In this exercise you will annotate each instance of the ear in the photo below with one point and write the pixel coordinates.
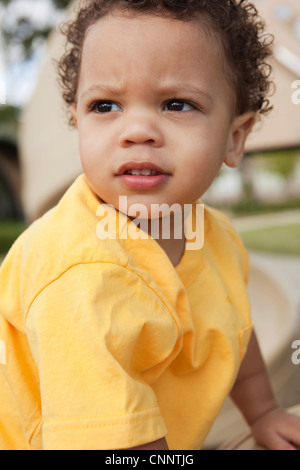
(73, 110)
(240, 129)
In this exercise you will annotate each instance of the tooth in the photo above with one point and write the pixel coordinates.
(146, 172)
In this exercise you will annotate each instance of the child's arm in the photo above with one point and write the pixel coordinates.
(270, 425)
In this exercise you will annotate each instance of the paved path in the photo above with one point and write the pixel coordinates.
(257, 222)
(278, 316)
(286, 269)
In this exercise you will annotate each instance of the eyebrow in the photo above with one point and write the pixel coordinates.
(164, 89)
(187, 88)
(114, 90)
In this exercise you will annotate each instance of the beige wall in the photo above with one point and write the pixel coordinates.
(48, 147)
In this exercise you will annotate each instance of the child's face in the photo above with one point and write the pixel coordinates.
(153, 90)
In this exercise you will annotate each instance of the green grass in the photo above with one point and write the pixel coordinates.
(253, 207)
(9, 232)
(283, 240)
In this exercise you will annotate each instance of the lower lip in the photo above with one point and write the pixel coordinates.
(143, 182)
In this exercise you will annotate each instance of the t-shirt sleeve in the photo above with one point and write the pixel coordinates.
(18, 392)
(20, 412)
(100, 334)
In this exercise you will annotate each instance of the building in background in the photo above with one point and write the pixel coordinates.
(282, 127)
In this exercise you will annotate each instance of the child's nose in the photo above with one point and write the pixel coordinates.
(138, 129)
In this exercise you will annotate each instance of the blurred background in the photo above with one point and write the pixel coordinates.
(39, 160)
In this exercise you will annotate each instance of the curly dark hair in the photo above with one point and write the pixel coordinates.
(240, 29)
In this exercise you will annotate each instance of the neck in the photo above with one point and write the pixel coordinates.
(169, 234)
(174, 249)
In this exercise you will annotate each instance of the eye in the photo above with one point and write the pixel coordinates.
(103, 107)
(179, 106)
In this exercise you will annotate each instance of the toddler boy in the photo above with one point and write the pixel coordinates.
(121, 334)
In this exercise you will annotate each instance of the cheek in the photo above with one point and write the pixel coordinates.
(86, 156)
(90, 151)
(201, 167)
(205, 157)
(94, 144)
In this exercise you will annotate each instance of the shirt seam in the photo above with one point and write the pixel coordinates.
(130, 419)
(145, 410)
(102, 262)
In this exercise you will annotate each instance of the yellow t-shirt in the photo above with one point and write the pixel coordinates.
(105, 345)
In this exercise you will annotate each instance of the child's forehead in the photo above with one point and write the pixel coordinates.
(118, 27)
(132, 47)
(118, 20)
(117, 31)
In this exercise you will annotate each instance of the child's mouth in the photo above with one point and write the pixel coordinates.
(142, 175)
(144, 172)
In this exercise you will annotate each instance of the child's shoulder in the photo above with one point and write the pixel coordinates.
(62, 230)
(63, 237)
(217, 223)
(217, 220)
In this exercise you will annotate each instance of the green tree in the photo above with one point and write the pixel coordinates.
(283, 162)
